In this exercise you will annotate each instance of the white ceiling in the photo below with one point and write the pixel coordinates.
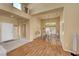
(36, 8)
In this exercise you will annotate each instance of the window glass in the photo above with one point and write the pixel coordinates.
(17, 5)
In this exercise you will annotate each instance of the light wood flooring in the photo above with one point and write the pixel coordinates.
(39, 47)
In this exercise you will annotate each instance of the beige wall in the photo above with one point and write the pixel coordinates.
(62, 30)
(71, 25)
(8, 19)
(34, 27)
(27, 30)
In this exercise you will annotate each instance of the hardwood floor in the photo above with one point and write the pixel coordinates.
(39, 47)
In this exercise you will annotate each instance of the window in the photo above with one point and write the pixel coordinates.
(17, 5)
(51, 24)
(51, 29)
(6, 31)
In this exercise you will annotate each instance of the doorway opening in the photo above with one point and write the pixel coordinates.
(51, 30)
